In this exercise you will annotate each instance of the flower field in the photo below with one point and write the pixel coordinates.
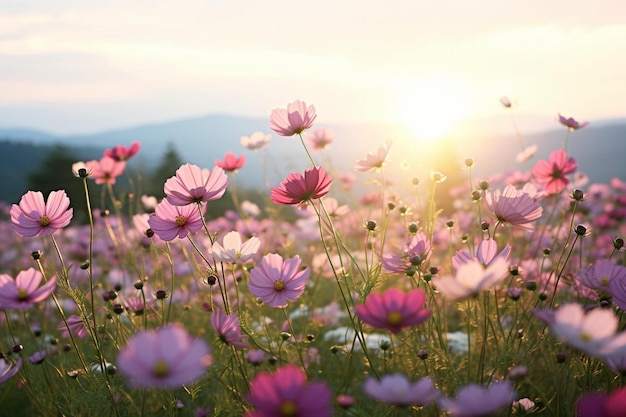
(495, 297)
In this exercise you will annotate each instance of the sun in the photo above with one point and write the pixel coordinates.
(430, 108)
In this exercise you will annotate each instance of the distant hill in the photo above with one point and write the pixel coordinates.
(599, 148)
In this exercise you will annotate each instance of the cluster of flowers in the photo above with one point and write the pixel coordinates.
(414, 279)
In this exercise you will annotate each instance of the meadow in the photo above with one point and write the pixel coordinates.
(498, 296)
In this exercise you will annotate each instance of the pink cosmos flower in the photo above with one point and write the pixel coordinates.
(592, 332)
(600, 404)
(320, 138)
(276, 281)
(414, 254)
(24, 291)
(473, 400)
(398, 390)
(192, 184)
(299, 189)
(164, 358)
(231, 162)
(35, 217)
(394, 309)
(617, 283)
(256, 141)
(228, 328)
(106, 170)
(486, 252)
(570, 123)
(232, 250)
(122, 153)
(8, 370)
(552, 173)
(293, 120)
(76, 326)
(170, 221)
(513, 206)
(287, 393)
(472, 278)
(506, 102)
(374, 160)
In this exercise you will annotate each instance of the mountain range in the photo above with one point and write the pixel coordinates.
(598, 148)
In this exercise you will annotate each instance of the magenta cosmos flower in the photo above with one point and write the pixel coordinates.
(286, 393)
(571, 123)
(299, 189)
(514, 207)
(228, 328)
(8, 370)
(123, 153)
(106, 170)
(74, 325)
(35, 217)
(552, 173)
(192, 184)
(473, 400)
(164, 358)
(398, 390)
(170, 221)
(276, 281)
(600, 404)
(231, 162)
(24, 291)
(394, 309)
(293, 120)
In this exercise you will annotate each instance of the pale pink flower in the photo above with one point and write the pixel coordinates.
(8, 370)
(601, 274)
(374, 160)
(593, 332)
(288, 393)
(35, 217)
(414, 253)
(553, 172)
(473, 400)
(486, 252)
(506, 103)
(472, 278)
(394, 309)
(228, 328)
(398, 390)
(122, 153)
(164, 358)
(256, 141)
(513, 206)
(293, 120)
(170, 221)
(192, 184)
(320, 138)
(106, 170)
(232, 249)
(24, 291)
(299, 189)
(231, 162)
(276, 281)
(526, 154)
(571, 123)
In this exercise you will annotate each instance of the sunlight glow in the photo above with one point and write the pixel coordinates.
(430, 108)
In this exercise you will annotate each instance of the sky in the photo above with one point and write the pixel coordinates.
(82, 66)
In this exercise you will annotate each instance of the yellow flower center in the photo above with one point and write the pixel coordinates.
(22, 295)
(394, 318)
(181, 220)
(604, 281)
(288, 409)
(585, 337)
(160, 369)
(44, 221)
(279, 285)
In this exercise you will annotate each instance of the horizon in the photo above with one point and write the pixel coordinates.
(73, 69)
